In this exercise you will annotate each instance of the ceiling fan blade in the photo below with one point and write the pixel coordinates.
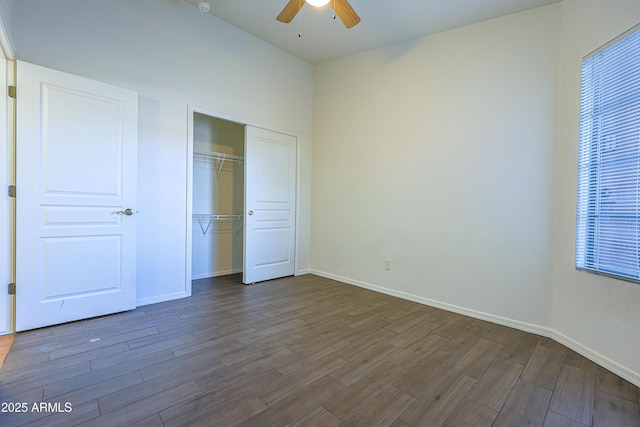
(290, 11)
(345, 12)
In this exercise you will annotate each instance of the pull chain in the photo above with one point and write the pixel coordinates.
(300, 20)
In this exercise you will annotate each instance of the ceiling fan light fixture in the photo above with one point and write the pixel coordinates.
(342, 9)
(317, 3)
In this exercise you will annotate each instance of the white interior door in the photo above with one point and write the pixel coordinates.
(76, 181)
(270, 205)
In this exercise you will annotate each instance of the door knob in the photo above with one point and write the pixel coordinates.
(250, 212)
(127, 212)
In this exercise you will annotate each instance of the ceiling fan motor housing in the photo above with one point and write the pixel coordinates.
(342, 8)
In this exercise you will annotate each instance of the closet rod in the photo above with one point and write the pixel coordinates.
(216, 217)
(218, 158)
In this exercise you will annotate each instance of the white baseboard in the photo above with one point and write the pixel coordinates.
(594, 356)
(239, 270)
(216, 274)
(162, 298)
(523, 326)
(616, 368)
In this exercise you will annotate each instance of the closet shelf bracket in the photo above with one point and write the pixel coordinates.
(219, 164)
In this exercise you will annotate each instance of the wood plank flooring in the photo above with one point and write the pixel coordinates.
(303, 351)
(5, 345)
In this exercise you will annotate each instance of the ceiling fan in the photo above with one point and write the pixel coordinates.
(342, 8)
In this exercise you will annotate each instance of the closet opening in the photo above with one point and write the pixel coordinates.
(217, 202)
(242, 213)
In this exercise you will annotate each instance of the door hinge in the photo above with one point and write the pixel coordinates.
(12, 91)
(12, 288)
(12, 191)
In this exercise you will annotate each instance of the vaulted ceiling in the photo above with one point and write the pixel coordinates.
(384, 22)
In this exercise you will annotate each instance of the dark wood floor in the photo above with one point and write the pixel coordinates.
(303, 351)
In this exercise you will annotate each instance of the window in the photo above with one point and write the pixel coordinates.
(608, 217)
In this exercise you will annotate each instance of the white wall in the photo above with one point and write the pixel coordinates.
(437, 154)
(173, 56)
(455, 156)
(6, 10)
(218, 188)
(596, 315)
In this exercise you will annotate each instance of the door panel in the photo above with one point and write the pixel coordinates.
(81, 132)
(76, 174)
(93, 260)
(270, 204)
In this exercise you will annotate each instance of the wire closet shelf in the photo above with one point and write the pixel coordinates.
(209, 219)
(217, 158)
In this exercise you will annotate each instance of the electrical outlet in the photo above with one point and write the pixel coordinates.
(387, 264)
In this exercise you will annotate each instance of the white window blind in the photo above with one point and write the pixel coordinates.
(608, 211)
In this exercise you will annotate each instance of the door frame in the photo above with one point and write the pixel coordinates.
(7, 205)
(8, 160)
(191, 111)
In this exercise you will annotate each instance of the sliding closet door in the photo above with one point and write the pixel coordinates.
(76, 204)
(270, 205)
